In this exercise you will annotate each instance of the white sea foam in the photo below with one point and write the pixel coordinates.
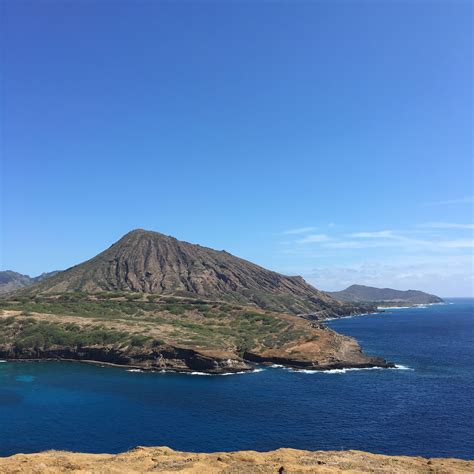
(226, 373)
(135, 370)
(421, 306)
(350, 316)
(2, 361)
(348, 369)
(402, 367)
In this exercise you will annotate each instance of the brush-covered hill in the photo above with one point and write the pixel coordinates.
(153, 263)
(369, 294)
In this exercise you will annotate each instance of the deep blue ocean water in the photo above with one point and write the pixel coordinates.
(427, 411)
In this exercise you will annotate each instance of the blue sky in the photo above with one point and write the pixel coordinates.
(331, 139)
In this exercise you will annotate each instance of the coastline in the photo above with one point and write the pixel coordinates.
(253, 368)
(419, 305)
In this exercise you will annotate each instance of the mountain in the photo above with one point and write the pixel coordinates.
(153, 263)
(368, 294)
(11, 281)
(153, 302)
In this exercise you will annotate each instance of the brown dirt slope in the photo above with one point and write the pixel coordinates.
(284, 461)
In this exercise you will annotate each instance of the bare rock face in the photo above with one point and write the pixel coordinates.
(150, 262)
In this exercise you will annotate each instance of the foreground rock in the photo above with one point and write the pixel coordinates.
(284, 461)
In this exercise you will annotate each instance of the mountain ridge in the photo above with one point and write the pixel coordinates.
(11, 281)
(370, 294)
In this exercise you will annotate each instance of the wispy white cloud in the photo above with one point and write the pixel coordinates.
(403, 243)
(463, 200)
(358, 244)
(300, 230)
(432, 256)
(446, 225)
(457, 243)
(441, 275)
(313, 238)
(407, 241)
(374, 235)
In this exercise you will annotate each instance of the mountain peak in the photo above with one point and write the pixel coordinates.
(140, 232)
(150, 262)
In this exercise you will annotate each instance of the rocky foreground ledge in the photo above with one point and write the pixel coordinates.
(283, 461)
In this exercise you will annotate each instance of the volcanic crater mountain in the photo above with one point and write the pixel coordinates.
(153, 302)
(150, 262)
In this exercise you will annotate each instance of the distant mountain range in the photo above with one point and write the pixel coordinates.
(150, 262)
(384, 296)
(11, 281)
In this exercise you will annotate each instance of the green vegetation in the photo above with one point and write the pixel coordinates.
(34, 334)
(136, 320)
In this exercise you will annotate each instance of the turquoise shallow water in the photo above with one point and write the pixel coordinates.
(425, 409)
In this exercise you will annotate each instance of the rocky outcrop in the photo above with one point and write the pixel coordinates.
(283, 461)
(302, 363)
(167, 358)
(304, 356)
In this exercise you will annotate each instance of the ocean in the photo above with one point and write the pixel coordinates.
(425, 407)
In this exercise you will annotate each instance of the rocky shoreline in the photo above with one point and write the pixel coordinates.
(309, 355)
(226, 343)
(283, 461)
